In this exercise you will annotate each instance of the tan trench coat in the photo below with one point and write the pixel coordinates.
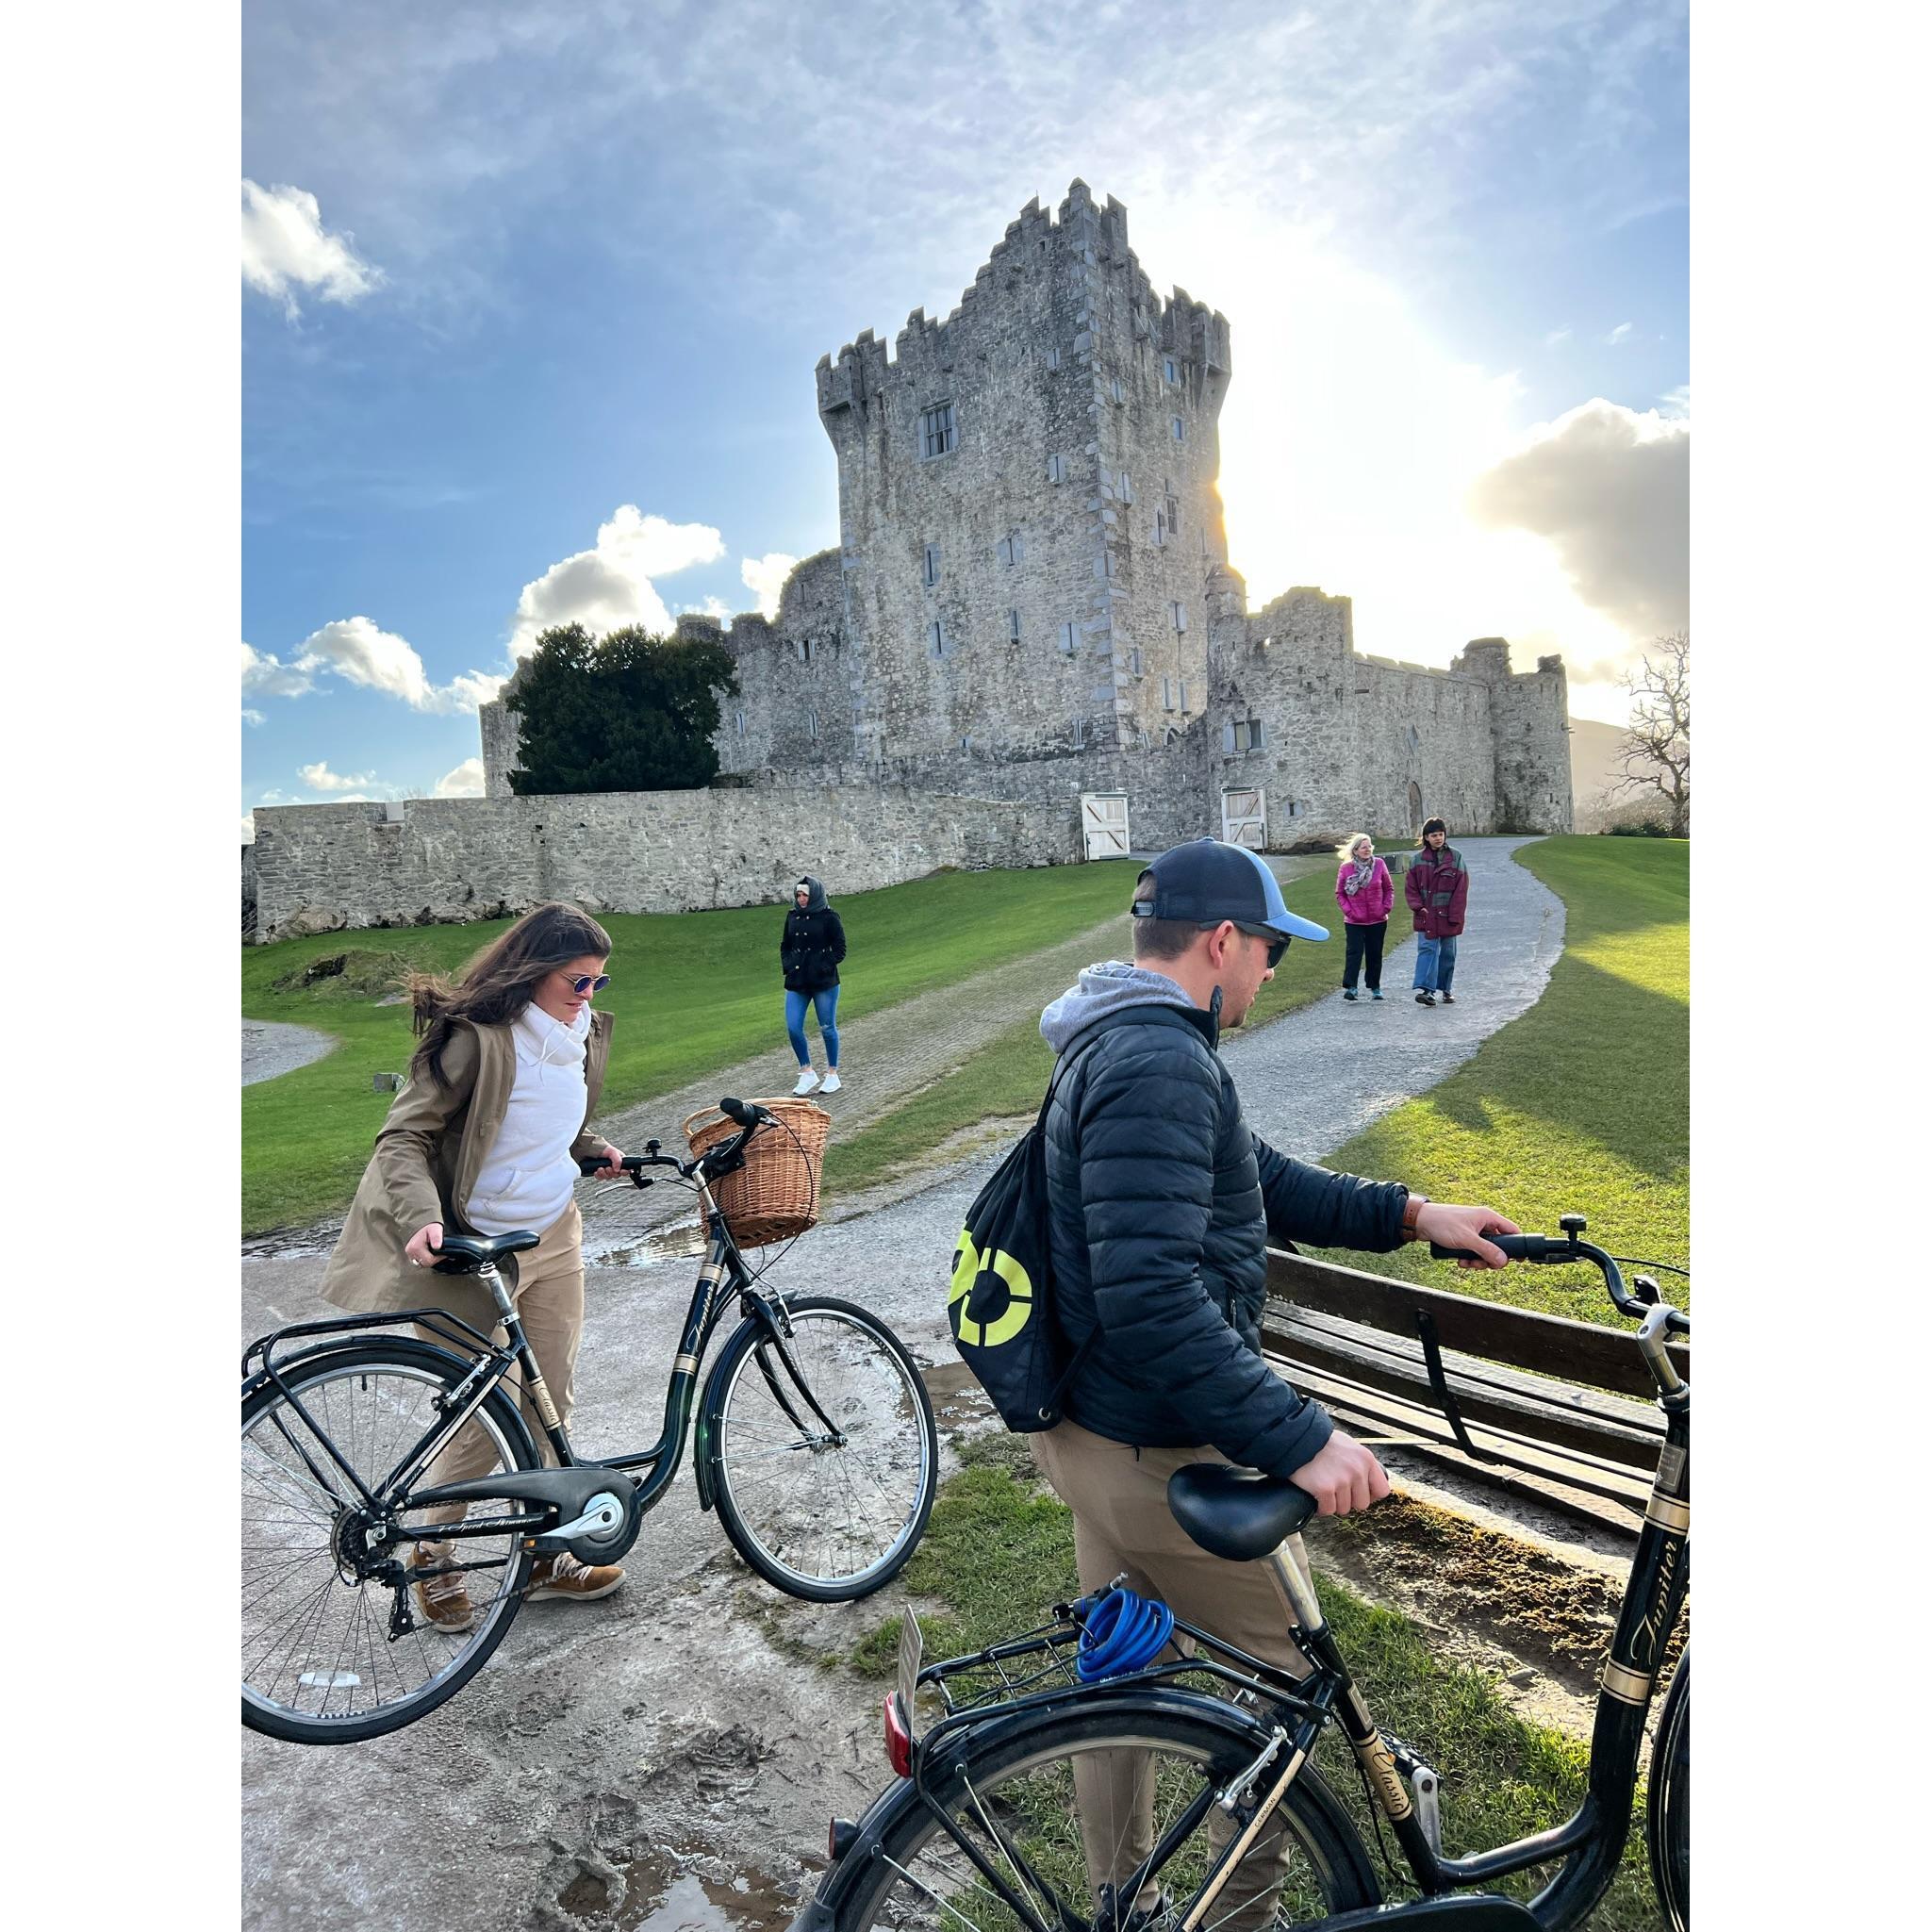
(427, 1157)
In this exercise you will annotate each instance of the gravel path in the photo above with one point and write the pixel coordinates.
(678, 1720)
(270, 1046)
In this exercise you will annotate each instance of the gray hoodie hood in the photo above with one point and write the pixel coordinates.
(814, 892)
(1107, 988)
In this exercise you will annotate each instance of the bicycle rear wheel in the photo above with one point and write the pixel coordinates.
(1076, 1799)
(829, 1516)
(330, 1656)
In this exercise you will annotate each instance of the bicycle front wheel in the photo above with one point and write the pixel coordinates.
(1066, 1810)
(332, 1652)
(829, 1514)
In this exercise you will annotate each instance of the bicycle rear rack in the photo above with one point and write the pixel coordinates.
(445, 1327)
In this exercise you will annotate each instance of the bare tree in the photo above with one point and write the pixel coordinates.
(1656, 751)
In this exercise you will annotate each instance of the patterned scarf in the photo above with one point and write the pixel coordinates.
(1363, 872)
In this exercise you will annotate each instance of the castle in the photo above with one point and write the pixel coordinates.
(1028, 648)
(1032, 601)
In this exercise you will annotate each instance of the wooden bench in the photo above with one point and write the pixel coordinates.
(1562, 1410)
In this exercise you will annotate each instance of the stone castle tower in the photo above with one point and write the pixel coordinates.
(1031, 598)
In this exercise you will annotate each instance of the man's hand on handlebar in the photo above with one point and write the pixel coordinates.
(1343, 1476)
(1448, 1226)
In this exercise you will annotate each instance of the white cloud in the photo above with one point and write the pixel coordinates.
(765, 578)
(1555, 336)
(1617, 334)
(359, 650)
(1608, 489)
(612, 585)
(324, 779)
(251, 716)
(248, 828)
(264, 675)
(711, 608)
(285, 247)
(463, 782)
(1676, 402)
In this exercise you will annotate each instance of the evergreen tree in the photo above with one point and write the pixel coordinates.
(623, 713)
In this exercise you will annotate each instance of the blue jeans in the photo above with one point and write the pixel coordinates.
(1435, 963)
(826, 1005)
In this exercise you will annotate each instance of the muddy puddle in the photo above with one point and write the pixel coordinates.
(958, 1400)
(659, 1891)
(675, 1240)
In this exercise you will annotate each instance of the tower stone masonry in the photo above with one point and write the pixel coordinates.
(1031, 598)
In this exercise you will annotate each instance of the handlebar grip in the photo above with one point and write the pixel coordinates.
(1517, 1247)
(743, 1112)
(594, 1164)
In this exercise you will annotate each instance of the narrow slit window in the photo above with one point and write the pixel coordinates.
(1179, 429)
(932, 565)
(1118, 390)
(1066, 638)
(1056, 470)
(1170, 370)
(1179, 613)
(1013, 625)
(936, 639)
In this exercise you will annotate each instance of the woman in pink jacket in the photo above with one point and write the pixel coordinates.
(1365, 893)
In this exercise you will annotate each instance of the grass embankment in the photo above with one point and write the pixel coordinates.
(1583, 1102)
(999, 1551)
(690, 991)
(1006, 1078)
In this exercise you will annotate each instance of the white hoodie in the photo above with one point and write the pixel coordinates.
(528, 1174)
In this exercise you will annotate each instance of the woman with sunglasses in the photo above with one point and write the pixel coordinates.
(484, 1137)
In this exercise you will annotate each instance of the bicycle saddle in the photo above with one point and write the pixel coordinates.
(463, 1253)
(1237, 1513)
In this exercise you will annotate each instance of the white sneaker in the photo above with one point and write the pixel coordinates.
(833, 1083)
(807, 1080)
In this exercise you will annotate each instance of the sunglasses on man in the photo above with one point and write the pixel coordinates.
(1277, 945)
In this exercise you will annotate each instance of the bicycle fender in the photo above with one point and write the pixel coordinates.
(1469, 1911)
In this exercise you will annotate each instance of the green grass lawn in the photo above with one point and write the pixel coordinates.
(690, 991)
(1007, 1078)
(1582, 1103)
(999, 1551)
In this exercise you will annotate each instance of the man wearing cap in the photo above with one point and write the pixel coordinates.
(1161, 1203)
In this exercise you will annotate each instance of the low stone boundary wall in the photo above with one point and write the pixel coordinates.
(323, 868)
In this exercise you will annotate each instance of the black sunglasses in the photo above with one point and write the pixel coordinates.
(584, 983)
(1277, 945)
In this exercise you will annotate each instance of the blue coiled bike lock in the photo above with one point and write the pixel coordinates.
(1121, 1633)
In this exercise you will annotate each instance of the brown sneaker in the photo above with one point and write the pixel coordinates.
(444, 1597)
(562, 1575)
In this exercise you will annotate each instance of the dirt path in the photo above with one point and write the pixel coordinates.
(271, 1046)
(669, 1756)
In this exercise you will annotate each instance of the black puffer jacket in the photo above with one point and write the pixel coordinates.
(1160, 1204)
(813, 943)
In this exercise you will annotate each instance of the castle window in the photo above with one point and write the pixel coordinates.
(1110, 564)
(1119, 390)
(1066, 638)
(1126, 489)
(937, 437)
(1133, 659)
(1183, 695)
(1170, 370)
(1167, 694)
(936, 639)
(811, 724)
(1013, 625)
(1174, 516)
(932, 565)
(965, 743)
(1080, 733)
(1052, 358)
(1179, 429)
(1179, 613)
(1011, 550)
(1414, 739)
(1056, 470)
(738, 718)
(1160, 529)
(1243, 734)
(802, 648)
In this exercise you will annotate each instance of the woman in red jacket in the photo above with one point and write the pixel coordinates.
(1437, 888)
(1365, 893)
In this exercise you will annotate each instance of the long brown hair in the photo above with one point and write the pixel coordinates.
(495, 987)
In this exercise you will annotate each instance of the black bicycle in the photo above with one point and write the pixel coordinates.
(1090, 1777)
(815, 1444)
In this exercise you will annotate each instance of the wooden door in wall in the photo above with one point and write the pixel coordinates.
(1245, 817)
(1104, 824)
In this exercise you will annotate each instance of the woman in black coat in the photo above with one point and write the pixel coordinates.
(813, 944)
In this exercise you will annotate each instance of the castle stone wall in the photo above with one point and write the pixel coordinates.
(323, 868)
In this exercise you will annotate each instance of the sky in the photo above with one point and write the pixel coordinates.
(532, 296)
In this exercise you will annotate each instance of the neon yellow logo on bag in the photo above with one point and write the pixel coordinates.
(967, 1265)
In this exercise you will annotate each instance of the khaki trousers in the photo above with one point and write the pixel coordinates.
(549, 1301)
(1121, 1520)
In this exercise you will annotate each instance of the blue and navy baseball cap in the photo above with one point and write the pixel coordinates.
(1209, 880)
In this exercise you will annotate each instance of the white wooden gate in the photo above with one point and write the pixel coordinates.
(1103, 821)
(1245, 817)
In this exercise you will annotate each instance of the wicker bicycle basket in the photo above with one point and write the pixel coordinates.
(774, 1196)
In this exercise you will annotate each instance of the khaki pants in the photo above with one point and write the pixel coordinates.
(549, 1301)
(1121, 1520)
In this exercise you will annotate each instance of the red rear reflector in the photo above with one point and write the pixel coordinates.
(899, 1736)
